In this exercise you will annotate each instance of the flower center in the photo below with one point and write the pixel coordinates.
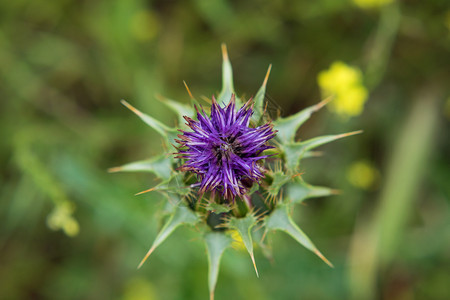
(225, 148)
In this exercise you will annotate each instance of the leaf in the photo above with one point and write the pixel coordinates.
(227, 80)
(179, 108)
(216, 243)
(292, 155)
(321, 140)
(295, 151)
(279, 180)
(280, 220)
(161, 166)
(217, 208)
(299, 190)
(244, 227)
(259, 98)
(287, 127)
(181, 215)
(166, 132)
(173, 184)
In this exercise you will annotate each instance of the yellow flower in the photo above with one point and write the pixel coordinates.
(345, 83)
(362, 174)
(368, 4)
(61, 218)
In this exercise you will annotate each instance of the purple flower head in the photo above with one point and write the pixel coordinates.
(223, 150)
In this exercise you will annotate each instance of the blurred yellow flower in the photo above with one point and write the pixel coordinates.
(61, 218)
(362, 174)
(345, 83)
(368, 4)
(237, 243)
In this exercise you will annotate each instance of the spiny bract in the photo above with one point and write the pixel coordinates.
(226, 178)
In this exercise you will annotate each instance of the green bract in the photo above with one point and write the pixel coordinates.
(266, 206)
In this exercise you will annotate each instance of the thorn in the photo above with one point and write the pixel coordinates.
(263, 237)
(146, 191)
(146, 256)
(317, 252)
(211, 295)
(297, 175)
(349, 133)
(224, 52)
(335, 192)
(254, 264)
(214, 101)
(267, 75)
(115, 169)
(316, 153)
(130, 107)
(160, 97)
(323, 103)
(188, 90)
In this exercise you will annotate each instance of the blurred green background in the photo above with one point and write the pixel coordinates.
(70, 230)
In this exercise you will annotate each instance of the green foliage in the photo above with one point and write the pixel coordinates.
(65, 66)
(220, 217)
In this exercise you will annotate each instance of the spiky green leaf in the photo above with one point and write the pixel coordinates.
(293, 152)
(217, 208)
(279, 179)
(227, 78)
(287, 127)
(280, 220)
(216, 243)
(321, 140)
(244, 228)
(168, 133)
(258, 107)
(174, 184)
(179, 108)
(299, 190)
(180, 216)
(160, 165)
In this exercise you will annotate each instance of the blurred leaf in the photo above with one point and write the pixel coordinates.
(376, 241)
(404, 173)
(216, 243)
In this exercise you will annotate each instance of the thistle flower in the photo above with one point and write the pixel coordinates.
(223, 150)
(238, 195)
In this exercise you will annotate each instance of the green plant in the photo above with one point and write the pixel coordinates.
(254, 205)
